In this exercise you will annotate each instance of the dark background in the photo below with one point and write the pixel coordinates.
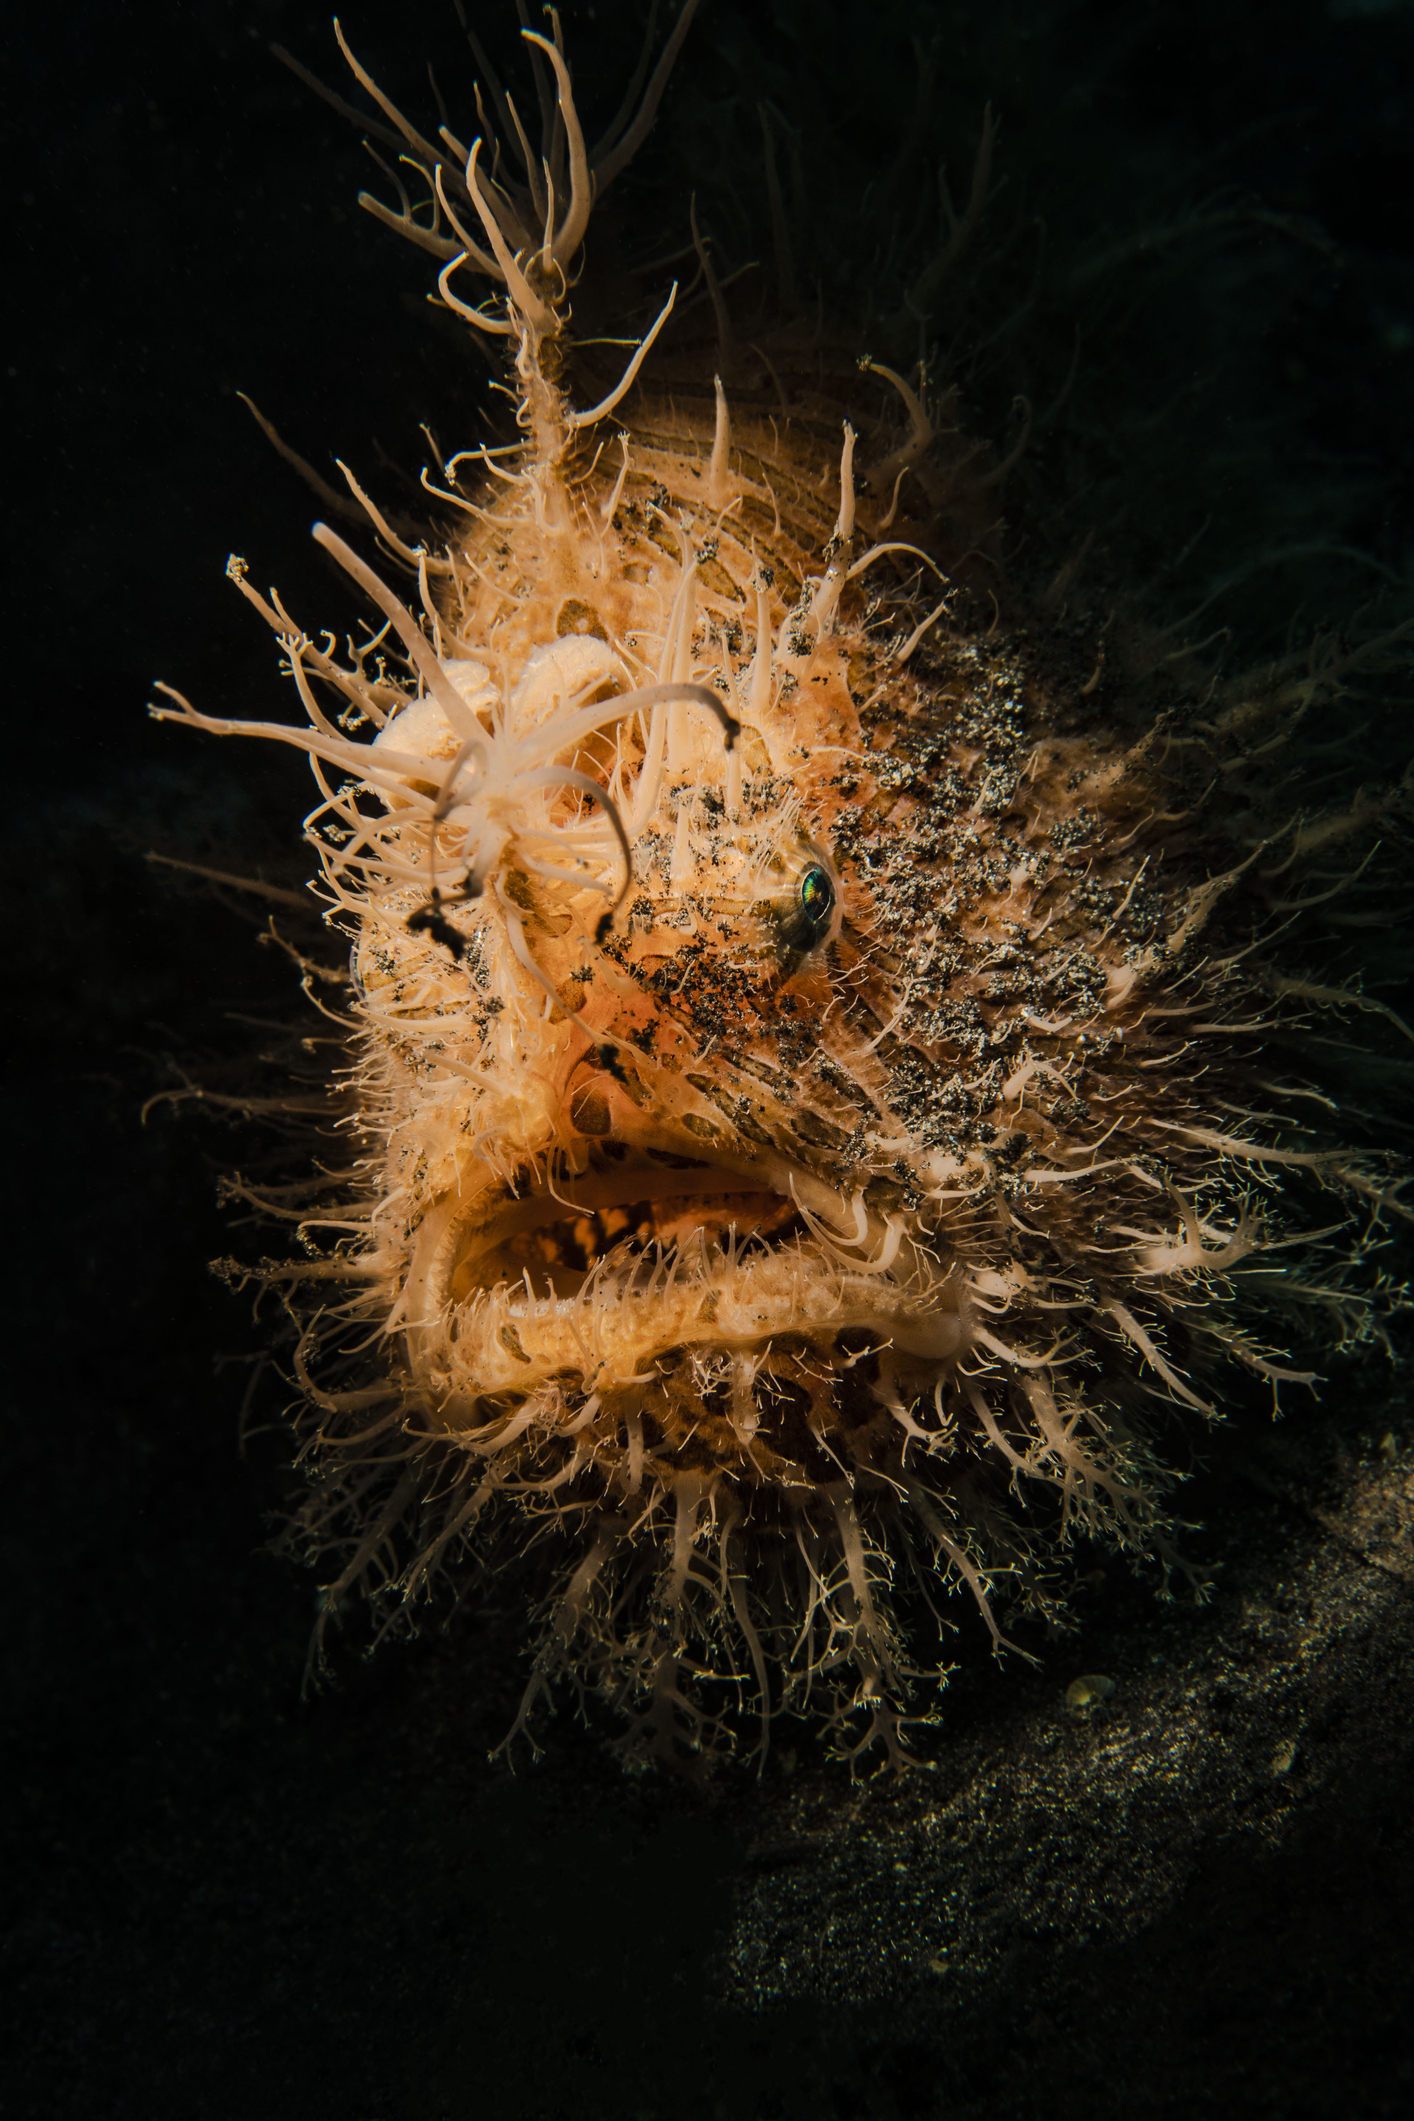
(221, 1899)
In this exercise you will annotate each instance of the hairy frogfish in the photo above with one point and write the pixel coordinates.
(839, 1043)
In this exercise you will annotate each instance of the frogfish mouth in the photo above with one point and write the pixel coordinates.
(830, 1066)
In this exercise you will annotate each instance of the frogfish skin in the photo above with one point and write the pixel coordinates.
(837, 1038)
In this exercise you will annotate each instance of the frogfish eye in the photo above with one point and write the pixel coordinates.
(817, 900)
(799, 914)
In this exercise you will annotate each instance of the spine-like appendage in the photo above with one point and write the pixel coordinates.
(530, 233)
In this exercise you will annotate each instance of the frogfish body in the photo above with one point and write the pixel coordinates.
(831, 1029)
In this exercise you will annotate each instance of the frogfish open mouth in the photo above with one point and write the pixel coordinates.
(838, 1049)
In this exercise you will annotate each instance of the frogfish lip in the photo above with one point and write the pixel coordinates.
(591, 1278)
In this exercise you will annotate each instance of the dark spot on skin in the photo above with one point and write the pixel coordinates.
(430, 918)
(575, 617)
(589, 1111)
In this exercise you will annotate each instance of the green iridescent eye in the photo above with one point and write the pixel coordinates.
(800, 913)
(817, 898)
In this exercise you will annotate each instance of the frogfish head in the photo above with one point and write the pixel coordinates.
(827, 1076)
